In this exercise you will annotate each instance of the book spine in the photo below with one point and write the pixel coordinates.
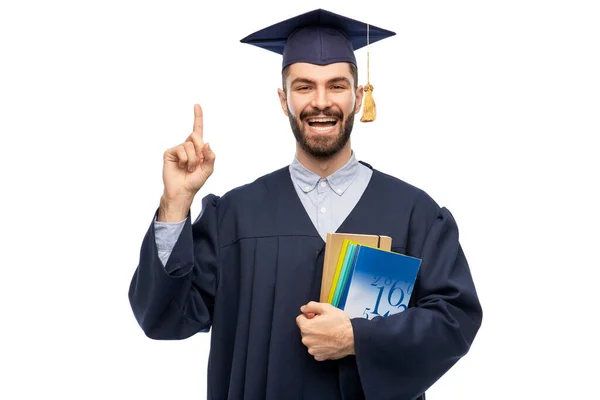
(340, 285)
(338, 270)
(348, 280)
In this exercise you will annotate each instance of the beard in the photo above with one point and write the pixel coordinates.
(321, 146)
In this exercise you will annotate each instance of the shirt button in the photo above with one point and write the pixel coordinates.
(323, 210)
(306, 188)
(323, 184)
(339, 191)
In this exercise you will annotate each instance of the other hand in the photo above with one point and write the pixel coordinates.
(326, 331)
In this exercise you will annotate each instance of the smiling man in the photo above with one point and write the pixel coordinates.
(249, 267)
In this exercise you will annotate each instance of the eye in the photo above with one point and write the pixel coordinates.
(303, 88)
(338, 87)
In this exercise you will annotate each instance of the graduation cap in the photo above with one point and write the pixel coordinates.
(321, 37)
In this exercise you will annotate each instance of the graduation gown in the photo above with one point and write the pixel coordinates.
(253, 257)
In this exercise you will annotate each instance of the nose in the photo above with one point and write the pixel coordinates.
(321, 99)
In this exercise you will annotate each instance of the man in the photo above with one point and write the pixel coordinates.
(250, 266)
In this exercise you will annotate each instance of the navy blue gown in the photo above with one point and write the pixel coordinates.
(253, 258)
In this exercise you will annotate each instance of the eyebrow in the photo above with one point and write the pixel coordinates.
(333, 80)
(301, 80)
(340, 79)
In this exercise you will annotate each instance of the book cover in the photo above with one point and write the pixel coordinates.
(333, 248)
(347, 278)
(381, 283)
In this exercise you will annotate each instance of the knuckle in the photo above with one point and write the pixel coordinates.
(190, 152)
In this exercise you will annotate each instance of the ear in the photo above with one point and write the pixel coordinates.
(360, 92)
(283, 101)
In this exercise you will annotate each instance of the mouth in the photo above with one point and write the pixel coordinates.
(322, 125)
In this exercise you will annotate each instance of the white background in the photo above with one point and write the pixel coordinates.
(490, 107)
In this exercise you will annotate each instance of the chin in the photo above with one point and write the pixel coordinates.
(322, 136)
(323, 145)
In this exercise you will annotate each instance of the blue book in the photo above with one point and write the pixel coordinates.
(380, 284)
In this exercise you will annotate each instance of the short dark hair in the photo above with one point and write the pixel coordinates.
(353, 71)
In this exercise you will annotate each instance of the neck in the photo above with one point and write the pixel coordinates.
(324, 166)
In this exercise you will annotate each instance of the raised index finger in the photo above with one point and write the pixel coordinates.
(198, 123)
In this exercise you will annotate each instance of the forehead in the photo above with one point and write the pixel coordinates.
(319, 72)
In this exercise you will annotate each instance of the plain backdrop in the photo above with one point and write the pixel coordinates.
(492, 107)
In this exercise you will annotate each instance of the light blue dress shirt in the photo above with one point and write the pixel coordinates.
(327, 201)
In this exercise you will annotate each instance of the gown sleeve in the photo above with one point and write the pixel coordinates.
(175, 301)
(166, 234)
(401, 356)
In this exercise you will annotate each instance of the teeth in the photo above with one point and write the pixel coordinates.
(321, 120)
(321, 128)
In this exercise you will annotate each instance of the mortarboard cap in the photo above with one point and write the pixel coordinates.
(320, 37)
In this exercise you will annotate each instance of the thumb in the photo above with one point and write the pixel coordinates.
(314, 307)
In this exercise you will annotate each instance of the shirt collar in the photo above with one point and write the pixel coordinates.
(339, 181)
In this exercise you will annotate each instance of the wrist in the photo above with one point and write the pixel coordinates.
(348, 339)
(174, 209)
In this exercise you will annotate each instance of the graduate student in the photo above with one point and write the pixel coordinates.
(249, 266)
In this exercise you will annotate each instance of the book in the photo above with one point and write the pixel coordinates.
(341, 274)
(338, 269)
(333, 249)
(380, 283)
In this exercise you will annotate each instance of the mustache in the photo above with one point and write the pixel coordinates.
(328, 112)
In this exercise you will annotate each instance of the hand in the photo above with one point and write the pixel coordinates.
(326, 331)
(185, 170)
(187, 166)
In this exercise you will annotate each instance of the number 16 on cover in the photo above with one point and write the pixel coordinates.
(381, 284)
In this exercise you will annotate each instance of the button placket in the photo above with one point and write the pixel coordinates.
(323, 212)
(322, 186)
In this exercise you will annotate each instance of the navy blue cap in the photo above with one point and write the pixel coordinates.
(316, 37)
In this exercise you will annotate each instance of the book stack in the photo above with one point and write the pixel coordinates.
(362, 276)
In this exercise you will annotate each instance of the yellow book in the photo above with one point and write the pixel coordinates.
(333, 248)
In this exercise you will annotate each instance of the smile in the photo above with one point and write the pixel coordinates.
(322, 124)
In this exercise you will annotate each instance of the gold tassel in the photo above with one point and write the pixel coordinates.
(369, 110)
